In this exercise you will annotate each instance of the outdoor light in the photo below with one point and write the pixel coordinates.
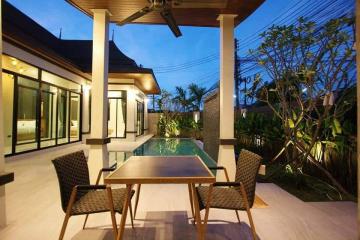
(14, 62)
(86, 87)
(243, 112)
(196, 115)
(234, 96)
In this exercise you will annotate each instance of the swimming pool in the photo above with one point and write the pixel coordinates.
(173, 147)
(164, 147)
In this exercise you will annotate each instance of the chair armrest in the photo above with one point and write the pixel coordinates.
(217, 168)
(90, 187)
(221, 168)
(226, 184)
(109, 169)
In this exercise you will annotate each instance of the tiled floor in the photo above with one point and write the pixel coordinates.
(34, 211)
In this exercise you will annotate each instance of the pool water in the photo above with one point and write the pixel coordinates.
(173, 147)
(165, 147)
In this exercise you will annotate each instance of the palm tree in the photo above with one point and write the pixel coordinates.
(197, 94)
(181, 98)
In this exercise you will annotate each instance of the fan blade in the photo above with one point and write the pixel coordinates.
(137, 15)
(170, 20)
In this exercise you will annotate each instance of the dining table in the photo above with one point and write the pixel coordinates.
(190, 170)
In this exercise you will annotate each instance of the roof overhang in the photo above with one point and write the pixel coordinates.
(190, 14)
(144, 79)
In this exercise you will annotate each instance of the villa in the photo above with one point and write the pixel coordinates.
(47, 88)
(79, 157)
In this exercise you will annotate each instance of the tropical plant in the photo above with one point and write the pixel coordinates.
(181, 98)
(197, 94)
(311, 69)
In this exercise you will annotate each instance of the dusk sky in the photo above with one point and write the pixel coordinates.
(155, 46)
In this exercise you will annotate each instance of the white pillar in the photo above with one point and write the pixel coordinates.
(358, 100)
(146, 115)
(2, 159)
(98, 154)
(226, 156)
(131, 115)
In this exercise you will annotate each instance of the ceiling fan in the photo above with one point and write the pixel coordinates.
(164, 7)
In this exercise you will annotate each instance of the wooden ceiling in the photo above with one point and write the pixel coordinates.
(188, 13)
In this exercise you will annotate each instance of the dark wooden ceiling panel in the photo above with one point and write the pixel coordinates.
(185, 16)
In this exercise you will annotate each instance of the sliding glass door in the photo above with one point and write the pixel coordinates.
(75, 102)
(41, 109)
(62, 117)
(117, 114)
(139, 118)
(48, 115)
(27, 96)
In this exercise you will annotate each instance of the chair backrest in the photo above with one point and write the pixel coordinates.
(71, 170)
(246, 171)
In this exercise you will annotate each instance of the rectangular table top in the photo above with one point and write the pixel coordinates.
(161, 169)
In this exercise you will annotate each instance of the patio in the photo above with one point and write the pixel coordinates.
(32, 202)
(163, 216)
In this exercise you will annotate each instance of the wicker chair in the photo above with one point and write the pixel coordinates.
(78, 197)
(238, 195)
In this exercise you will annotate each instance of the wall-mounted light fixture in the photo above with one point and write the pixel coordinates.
(196, 116)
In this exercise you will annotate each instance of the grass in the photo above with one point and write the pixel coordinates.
(304, 187)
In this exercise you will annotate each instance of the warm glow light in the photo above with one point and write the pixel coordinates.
(196, 116)
(86, 88)
(14, 62)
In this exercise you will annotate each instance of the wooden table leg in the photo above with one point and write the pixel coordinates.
(137, 199)
(112, 211)
(124, 213)
(197, 214)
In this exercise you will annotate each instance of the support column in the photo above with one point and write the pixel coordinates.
(2, 159)
(131, 115)
(146, 116)
(226, 155)
(98, 154)
(357, 13)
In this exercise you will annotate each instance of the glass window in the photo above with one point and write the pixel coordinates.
(27, 98)
(117, 114)
(48, 115)
(17, 66)
(75, 117)
(58, 81)
(8, 108)
(63, 116)
(139, 118)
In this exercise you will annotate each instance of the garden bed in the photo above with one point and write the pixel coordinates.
(304, 187)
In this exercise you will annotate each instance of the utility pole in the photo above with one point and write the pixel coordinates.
(237, 76)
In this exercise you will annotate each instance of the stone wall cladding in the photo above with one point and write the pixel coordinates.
(153, 119)
(211, 121)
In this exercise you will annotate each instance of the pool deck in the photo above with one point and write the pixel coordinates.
(34, 211)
